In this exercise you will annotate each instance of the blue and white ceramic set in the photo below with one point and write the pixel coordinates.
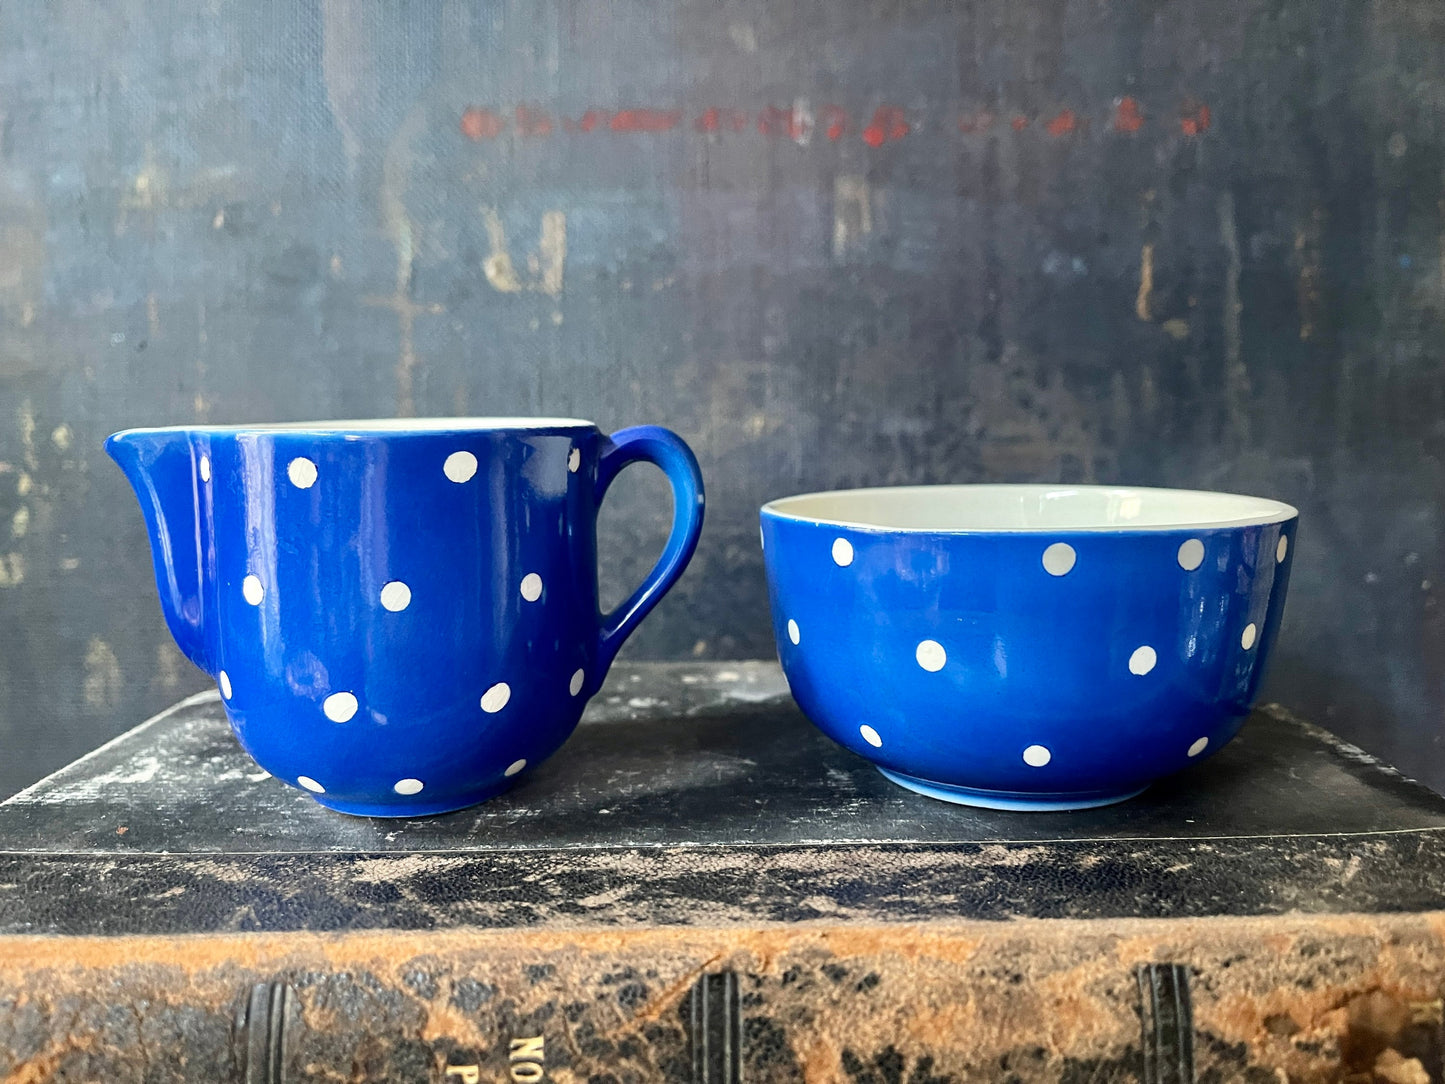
(402, 616)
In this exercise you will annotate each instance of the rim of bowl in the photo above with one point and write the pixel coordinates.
(374, 425)
(1198, 509)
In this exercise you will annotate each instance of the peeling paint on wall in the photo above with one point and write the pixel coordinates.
(852, 213)
(103, 685)
(1236, 376)
(12, 569)
(1146, 283)
(545, 266)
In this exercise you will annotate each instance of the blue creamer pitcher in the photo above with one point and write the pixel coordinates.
(401, 616)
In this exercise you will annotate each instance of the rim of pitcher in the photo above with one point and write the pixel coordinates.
(374, 425)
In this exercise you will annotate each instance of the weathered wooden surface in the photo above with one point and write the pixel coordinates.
(1305, 1000)
(830, 241)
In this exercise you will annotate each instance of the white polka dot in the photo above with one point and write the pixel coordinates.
(460, 466)
(408, 786)
(1143, 660)
(1247, 637)
(793, 633)
(339, 707)
(531, 587)
(395, 596)
(495, 698)
(1059, 559)
(310, 784)
(205, 468)
(302, 472)
(1036, 756)
(870, 736)
(931, 656)
(1199, 747)
(515, 767)
(1281, 549)
(574, 459)
(252, 590)
(762, 542)
(842, 552)
(1191, 554)
(575, 685)
(224, 680)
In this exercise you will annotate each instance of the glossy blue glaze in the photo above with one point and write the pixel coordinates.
(1032, 698)
(401, 617)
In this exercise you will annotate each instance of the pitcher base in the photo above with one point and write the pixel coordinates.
(408, 808)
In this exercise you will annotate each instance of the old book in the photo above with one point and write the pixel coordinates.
(699, 886)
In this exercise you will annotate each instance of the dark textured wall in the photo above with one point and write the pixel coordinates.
(830, 241)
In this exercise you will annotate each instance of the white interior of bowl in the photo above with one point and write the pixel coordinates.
(381, 425)
(1028, 508)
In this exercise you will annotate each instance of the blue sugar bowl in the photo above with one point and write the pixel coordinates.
(1027, 647)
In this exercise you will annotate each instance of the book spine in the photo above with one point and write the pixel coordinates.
(1160, 1001)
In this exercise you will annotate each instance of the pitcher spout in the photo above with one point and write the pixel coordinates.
(166, 472)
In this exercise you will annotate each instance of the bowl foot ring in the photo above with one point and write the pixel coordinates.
(1019, 803)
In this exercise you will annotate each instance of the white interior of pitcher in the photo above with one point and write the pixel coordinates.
(380, 425)
(1029, 508)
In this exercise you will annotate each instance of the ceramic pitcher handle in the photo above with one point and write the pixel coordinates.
(665, 449)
